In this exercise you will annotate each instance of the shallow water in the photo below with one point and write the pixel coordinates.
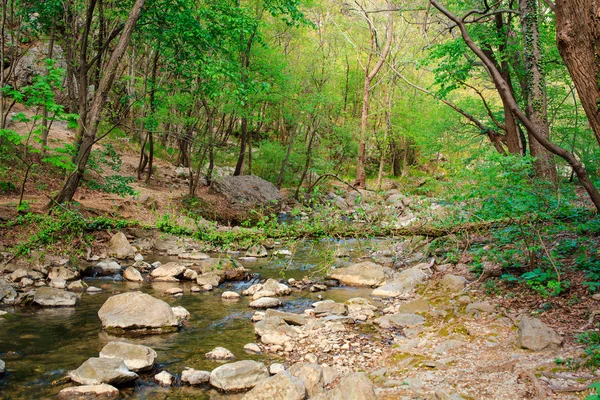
(40, 346)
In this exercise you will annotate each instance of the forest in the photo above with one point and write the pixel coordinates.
(374, 199)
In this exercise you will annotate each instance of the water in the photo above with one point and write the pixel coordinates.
(40, 346)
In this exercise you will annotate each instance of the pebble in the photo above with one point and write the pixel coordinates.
(93, 289)
(174, 291)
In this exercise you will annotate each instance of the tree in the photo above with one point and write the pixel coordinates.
(90, 124)
(508, 98)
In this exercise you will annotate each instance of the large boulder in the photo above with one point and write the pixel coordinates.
(330, 308)
(119, 247)
(282, 386)
(132, 275)
(239, 196)
(51, 297)
(271, 286)
(366, 273)
(107, 268)
(404, 283)
(311, 376)
(62, 273)
(137, 312)
(238, 376)
(7, 293)
(136, 357)
(95, 371)
(535, 335)
(102, 391)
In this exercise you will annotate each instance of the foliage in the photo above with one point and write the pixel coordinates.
(591, 340)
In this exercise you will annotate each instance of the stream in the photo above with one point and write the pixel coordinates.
(41, 345)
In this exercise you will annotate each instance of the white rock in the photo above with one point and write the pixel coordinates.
(230, 295)
(276, 368)
(164, 378)
(252, 348)
(181, 313)
(220, 353)
(136, 357)
(238, 376)
(194, 377)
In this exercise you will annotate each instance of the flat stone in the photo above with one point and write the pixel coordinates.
(170, 269)
(404, 283)
(331, 309)
(230, 295)
(238, 376)
(209, 279)
(399, 321)
(276, 368)
(194, 255)
(290, 318)
(164, 378)
(366, 273)
(282, 386)
(274, 330)
(136, 357)
(219, 353)
(266, 302)
(51, 297)
(102, 391)
(107, 268)
(174, 291)
(479, 307)
(194, 377)
(63, 273)
(95, 371)
(415, 306)
(58, 284)
(93, 289)
(137, 312)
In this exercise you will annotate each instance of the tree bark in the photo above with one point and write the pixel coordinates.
(536, 91)
(91, 129)
(509, 98)
(578, 39)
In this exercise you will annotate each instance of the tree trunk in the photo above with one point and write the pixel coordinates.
(286, 158)
(45, 123)
(578, 39)
(89, 137)
(536, 91)
(361, 175)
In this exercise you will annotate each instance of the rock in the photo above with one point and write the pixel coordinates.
(276, 368)
(58, 284)
(26, 282)
(404, 283)
(535, 335)
(225, 268)
(102, 391)
(181, 313)
(366, 273)
(194, 377)
(266, 302)
(238, 376)
(453, 283)
(210, 278)
(318, 288)
(138, 257)
(93, 289)
(196, 289)
(190, 275)
(63, 273)
(274, 330)
(174, 291)
(136, 357)
(282, 386)
(119, 247)
(51, 297)
(76, 286)
(17, 275)
(244, 194)
(132, 275)
(356, 386)
(415, 306)
(311, 358)
(448, 345)
(330, 374)
(311, 375)
(170, 269)
(107, 268)
(290, 318)
(137, 312)
(252, 348)
(7, 293)
(479, 307)
(164, 378)
(95, 371)
(399, 321)
(331, 309)
(194, 255)
(230, 295)
(596, 296)
(219, 353)
(257, 251)
(270, 286)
